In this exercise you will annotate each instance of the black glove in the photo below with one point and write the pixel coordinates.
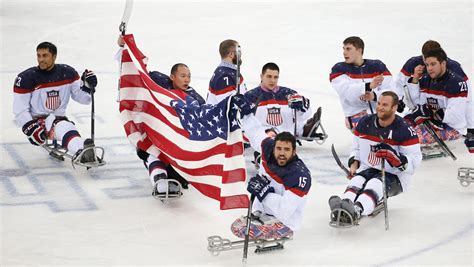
(395, 159)
(35, 132)
(437, 119)
(419, 115)
(259, 187)
(401, 106)
(298, 102)
(469, 141)
(246, 107)
(89, 81)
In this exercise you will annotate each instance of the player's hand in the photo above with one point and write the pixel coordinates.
(35, 132)
(260, 187)
(120, 41)
(89, 81)
(376, 81)
(298, 102)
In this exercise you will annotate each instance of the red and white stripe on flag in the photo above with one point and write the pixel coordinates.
(215, 167)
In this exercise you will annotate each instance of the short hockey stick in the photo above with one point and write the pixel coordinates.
(247, 231)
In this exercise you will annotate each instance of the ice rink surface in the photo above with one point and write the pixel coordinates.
(52, 214)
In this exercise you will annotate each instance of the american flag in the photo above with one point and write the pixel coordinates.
(372, 159)
(202, 143)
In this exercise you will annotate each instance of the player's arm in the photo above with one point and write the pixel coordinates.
(345, 87)
(455, 112)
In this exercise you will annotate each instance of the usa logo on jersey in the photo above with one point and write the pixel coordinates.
(373, 160)
(274, 116)
(432, 103)
(53, 101)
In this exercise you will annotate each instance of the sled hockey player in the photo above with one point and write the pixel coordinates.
(440, 98)
(282, 109)
(377, 137)
(223, 81)
(280, 187)
(165, 181)
(40, 98)
(358, 81)
(416, 64)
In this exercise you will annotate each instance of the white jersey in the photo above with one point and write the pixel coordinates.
(291, 183)
(450, 93)
(399, 135)
(38, 93)
(273, 111)
(349, 81)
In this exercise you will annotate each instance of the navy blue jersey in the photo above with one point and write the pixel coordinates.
(409, 68)
(164, 81)
(370, 69)
(223, 82)
(287, 175)
(34, 78)
(291, 183)
(399, 135)
(38, 93)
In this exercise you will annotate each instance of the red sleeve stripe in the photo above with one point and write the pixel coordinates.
(22, 90)
(273, 101)
(334, 76)
(227, 89)
(368, 75)
(405, 72)
(443, 93)
(58, 83)
(297, 191)
(377, 139)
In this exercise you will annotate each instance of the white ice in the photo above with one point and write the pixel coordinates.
(52, 214)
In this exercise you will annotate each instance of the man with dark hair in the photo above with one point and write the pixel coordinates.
(40, 98)
(280, 187)
(416, 66)
(223, 81)
(164, 179)
(440, 97)
(377, 137)
(358, 81)
(277, 107)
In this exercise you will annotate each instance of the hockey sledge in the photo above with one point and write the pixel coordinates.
(313, 134)
(466, 176)
(216, 244)
(166, 197)
(60, 153)
(340, 218)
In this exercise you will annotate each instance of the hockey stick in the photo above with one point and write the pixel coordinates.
(384, 185)
(92, 114)
(127, 12)
(385, 208)
(126, 16)
(237, 72)
(339, 163)
(247, 231)
(428, 126)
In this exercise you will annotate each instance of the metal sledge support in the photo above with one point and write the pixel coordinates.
(466, 176)
(320, 137)
(216, 244)
(55, 151)
(438, 140)
(335, 219)
(99, 158)
(336, 216)
(432, 151)
(166, 197)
